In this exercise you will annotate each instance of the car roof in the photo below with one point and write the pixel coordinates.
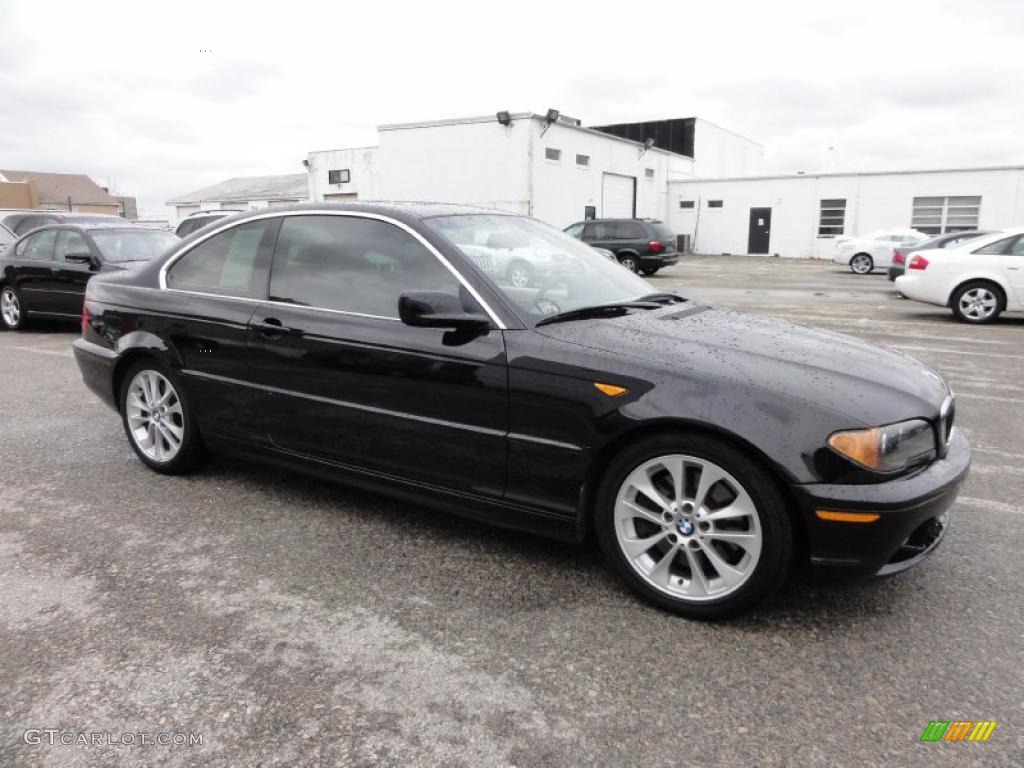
(422, 210)
(218, 212)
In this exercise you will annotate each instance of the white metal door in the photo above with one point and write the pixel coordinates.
(617, 196)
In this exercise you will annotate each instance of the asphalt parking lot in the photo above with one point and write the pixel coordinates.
(294, 622)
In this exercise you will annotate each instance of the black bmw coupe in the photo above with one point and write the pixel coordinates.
(383, 345)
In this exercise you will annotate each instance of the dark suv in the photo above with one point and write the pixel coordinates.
(640, 245)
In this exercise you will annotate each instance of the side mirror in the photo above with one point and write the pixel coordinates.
(433, 309)
(80, 257)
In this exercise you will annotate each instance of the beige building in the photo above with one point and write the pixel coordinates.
(74, 192)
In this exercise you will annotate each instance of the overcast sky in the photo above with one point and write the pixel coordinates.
(127, 94)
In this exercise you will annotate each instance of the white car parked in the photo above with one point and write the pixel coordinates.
(874, 251)
(977, 281)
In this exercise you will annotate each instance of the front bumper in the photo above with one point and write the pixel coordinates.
(97, 365)
(912, 518)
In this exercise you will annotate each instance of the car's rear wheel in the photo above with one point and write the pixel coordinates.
(630, 262)
(861, 264)
(520, 274)
(694, 526)
(159, 420)
(978, 302)
(648, 271)
(11, 313)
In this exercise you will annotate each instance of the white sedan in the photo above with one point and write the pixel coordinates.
(874, 251)
(977, 281)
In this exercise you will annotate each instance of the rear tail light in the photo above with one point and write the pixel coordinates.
(898, 257)
(654, 246)
(85, 317)
(918, 262)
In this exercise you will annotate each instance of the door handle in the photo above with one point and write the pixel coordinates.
(55, 270)
(1013, 267)
(270, 328)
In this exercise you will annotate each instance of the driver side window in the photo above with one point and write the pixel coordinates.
(352, 264)
(69, 241)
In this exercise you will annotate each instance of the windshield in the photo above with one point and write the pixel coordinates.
(120, 245)
(541, 270)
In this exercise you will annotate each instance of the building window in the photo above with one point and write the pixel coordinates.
(589, 212)
(832, 218)
(341, 176)
(583, 161)
(649, 173)
(938, 215)
(687, 204)
(715, 204)
(550, 153)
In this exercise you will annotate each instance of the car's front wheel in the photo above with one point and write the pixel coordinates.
(11, 313)
(977, 302)
(861, 264)
(693, 525)
(159, 420)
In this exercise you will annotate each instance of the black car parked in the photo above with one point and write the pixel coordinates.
(640, 245)
(44, 273)
(23, 221)
(948, 240)
(709, 450)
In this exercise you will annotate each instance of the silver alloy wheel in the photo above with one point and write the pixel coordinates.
(861, 264)
(155, 417)
(630, 263)
(978, 303)
(688, 528)
(10, 308)
(519, 276)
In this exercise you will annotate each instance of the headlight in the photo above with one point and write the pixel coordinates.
(889, 448)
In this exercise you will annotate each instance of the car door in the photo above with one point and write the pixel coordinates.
(70, 277)
(217, 285)
(34, 271)
(341, 378)
(1012, 263)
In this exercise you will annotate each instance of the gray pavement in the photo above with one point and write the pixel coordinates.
(295, 622)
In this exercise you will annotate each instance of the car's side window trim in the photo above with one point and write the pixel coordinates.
(353, 214)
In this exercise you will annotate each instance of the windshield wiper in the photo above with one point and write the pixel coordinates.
(616, 308)
(663, 298)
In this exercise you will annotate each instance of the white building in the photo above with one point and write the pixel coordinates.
(549, 167)
(800, 215)
(245, 193)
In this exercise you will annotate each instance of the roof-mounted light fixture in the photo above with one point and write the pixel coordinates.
(648, 143)
(549, 118)
(504, 118)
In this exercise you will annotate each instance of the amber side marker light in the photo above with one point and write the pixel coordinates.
(845, 517)
(609, 389)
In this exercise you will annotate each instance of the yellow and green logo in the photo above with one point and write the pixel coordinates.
(958, 730)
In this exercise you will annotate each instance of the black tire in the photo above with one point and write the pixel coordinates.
(9, 293)
(862, 264)
(777, 545)
(979, 288)
(191, 452)
(520, 274)
(648, 271)
(630, 262)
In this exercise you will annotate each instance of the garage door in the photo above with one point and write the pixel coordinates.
(617, 196)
